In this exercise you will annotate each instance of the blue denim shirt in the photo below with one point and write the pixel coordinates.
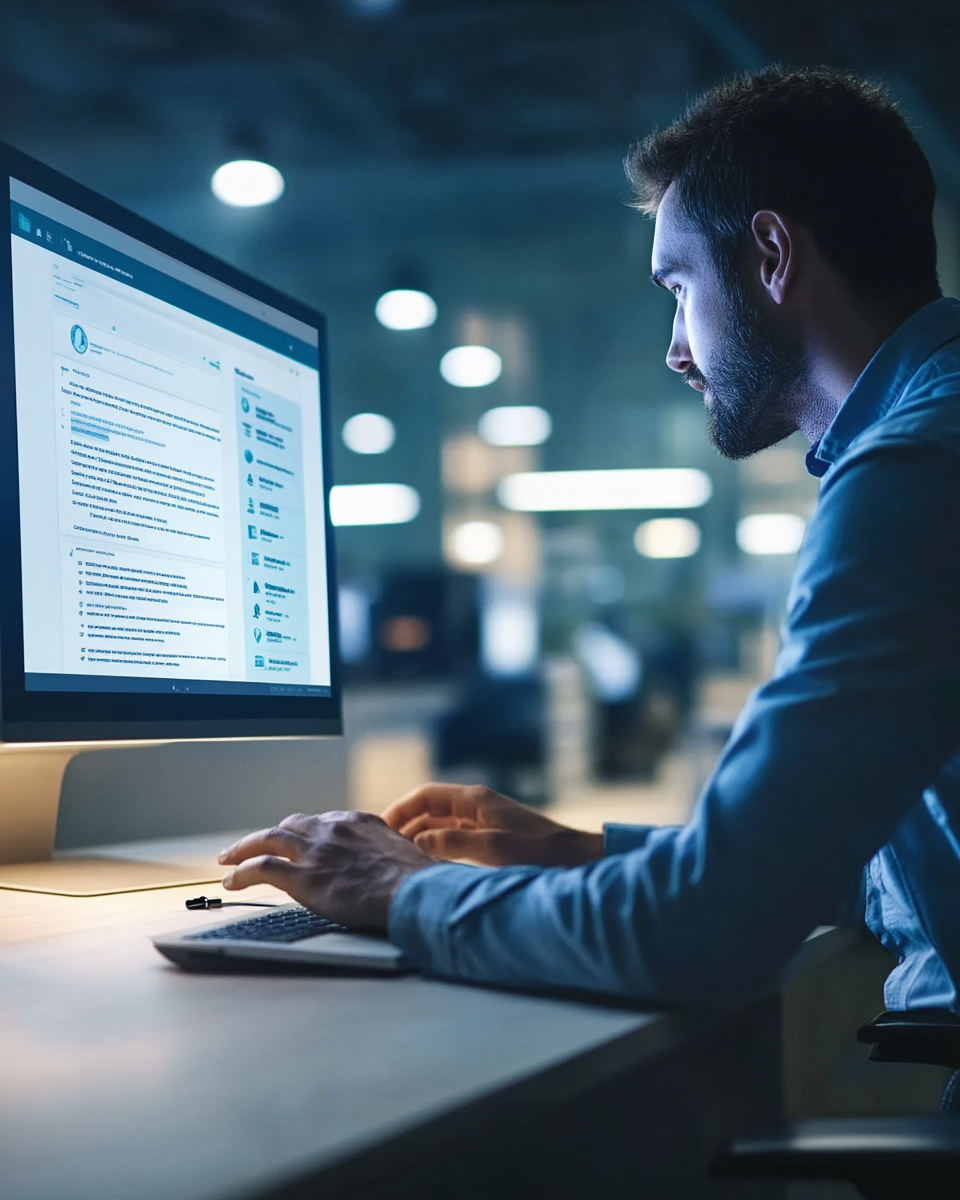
(844, 766)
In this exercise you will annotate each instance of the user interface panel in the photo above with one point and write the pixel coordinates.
(171, 482)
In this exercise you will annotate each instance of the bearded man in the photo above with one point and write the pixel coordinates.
(794, 227)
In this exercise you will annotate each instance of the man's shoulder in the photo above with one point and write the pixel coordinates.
(927, 411)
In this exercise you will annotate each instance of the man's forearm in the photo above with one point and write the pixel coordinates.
(621, 839)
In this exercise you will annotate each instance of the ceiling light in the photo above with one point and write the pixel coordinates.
(771, 533)
(373, 504)
(471, 366)
(515, 425)
(246, 183)
(404, 308)
(369, 433)
(476, 543)
(667, 537)
(568, 491)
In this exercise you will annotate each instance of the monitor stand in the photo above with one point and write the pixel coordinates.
(30, 780)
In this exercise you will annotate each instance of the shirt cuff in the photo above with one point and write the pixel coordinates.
(621, 839)
(419, 922)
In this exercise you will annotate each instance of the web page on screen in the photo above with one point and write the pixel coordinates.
(171, 486)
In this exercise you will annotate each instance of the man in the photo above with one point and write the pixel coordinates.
(794, 229)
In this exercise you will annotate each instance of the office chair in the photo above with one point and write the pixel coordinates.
(885, 1158)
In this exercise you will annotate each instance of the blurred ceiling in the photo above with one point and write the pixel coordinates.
(155, 93)
(319, 81)
(478, 142)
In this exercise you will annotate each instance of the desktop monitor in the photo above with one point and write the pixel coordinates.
(168, 567)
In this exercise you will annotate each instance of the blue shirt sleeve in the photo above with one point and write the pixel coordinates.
(621, 839)
(821, 766)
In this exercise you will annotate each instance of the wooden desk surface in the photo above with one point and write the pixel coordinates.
(125, 1078)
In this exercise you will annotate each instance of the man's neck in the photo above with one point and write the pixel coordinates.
(842, 338)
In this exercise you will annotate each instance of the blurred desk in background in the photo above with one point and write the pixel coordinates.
(667, 800)
(389, 735)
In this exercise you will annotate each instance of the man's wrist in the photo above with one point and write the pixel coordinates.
(592, 846)
(401, 875)
(579, 848)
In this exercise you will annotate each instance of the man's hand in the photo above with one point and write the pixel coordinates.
(448, 820)
(343, 865)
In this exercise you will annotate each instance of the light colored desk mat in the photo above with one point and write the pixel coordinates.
(101, 876)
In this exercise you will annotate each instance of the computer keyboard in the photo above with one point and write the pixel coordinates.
(284, 925)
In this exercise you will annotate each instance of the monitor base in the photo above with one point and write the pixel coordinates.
(31, 776)
(100, 876)
(30, 781)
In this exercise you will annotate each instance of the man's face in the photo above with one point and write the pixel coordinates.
(749, 368)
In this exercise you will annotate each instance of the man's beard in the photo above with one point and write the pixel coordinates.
(754, 383)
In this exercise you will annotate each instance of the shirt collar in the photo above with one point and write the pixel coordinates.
(886, 375)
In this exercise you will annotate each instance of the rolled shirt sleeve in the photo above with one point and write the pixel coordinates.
(823, 763)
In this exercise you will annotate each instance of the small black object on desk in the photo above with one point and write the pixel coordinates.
(216, 902)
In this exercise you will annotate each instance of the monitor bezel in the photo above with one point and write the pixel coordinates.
(60, 716)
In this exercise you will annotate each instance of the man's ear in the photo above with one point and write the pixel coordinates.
(776, 240)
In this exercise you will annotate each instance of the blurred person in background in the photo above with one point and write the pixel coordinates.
(794, 228)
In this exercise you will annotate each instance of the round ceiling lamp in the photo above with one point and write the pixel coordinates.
(369, 433)
(515, 425)
(406, 308)
(471, 366)
(477, 543)
(247, 183)
(771, 533)
(667, 537)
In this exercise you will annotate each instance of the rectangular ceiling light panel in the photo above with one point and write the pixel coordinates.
(570, 491)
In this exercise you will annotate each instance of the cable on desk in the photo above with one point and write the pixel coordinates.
(216, 902)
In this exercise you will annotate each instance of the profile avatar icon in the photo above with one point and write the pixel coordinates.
(248, 456)
(78, 338)
(245, 404)
(257, 633)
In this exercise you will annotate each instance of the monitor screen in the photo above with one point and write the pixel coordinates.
(172, 529)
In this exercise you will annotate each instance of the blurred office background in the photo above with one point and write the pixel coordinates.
(453, 199)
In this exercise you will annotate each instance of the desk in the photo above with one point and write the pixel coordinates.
(125, 1078)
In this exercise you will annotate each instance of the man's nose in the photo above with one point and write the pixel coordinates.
(679, 357)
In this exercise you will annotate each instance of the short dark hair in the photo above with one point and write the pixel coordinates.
(826, 148)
